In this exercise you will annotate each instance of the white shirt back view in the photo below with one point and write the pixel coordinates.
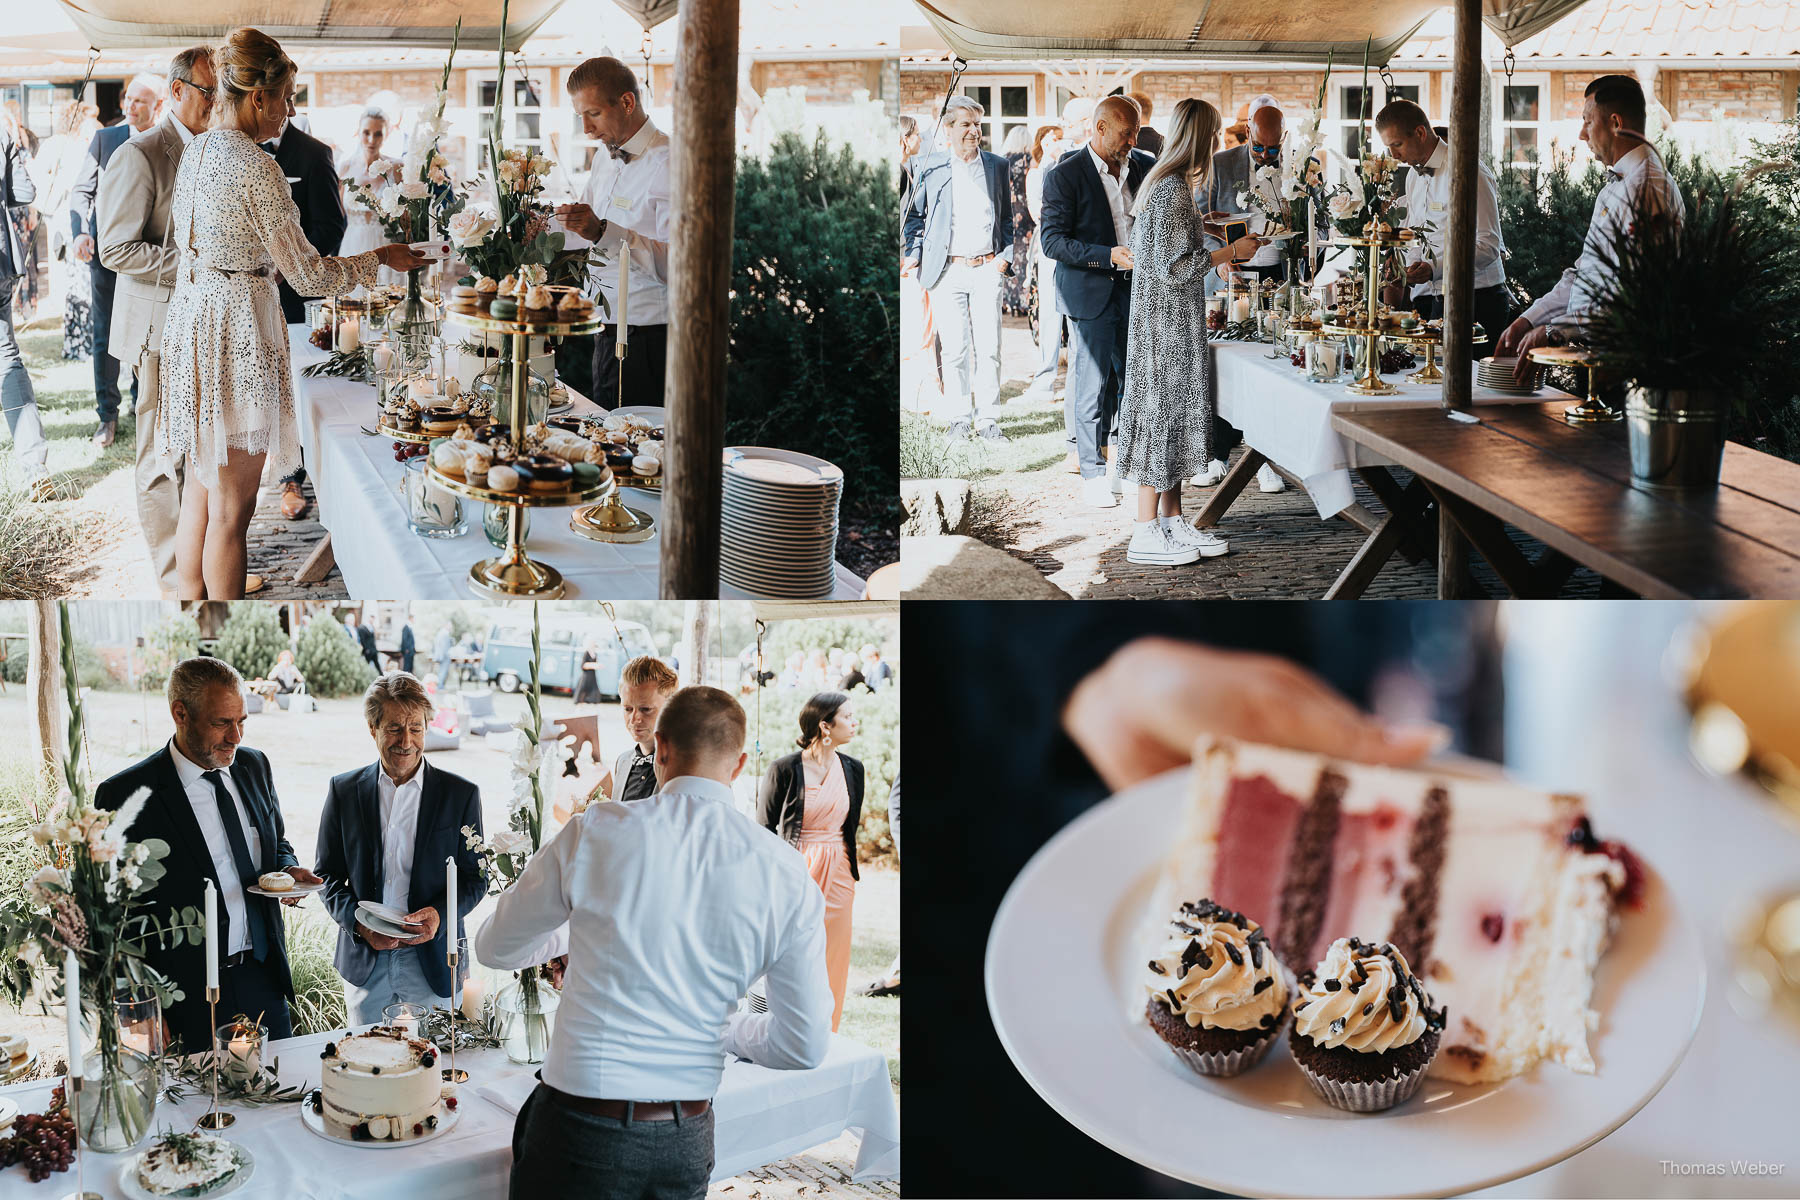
(670, 907)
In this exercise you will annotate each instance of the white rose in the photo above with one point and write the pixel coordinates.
(1344, 206)
(540, 166)
(415, 189)
(511, 841)
(471, 227)
(393, 204)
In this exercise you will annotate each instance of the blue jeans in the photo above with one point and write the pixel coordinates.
(397, 977)
(1096, 378)
(17, 398)
(106, 367)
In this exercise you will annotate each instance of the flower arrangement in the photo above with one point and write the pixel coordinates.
(88, 898)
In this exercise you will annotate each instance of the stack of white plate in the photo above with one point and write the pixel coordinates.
(1496, 374)
(780, 521)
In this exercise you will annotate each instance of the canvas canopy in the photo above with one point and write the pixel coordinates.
(1215, 29)
(422, 23)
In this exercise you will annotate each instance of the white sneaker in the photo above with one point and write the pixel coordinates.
(1206, 541)
(1268, 480)
(1098, 492)
(1113, 479)
(1209, 475)
(1152, 546)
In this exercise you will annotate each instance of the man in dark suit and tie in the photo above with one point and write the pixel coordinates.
(1086, 228)
(213, 801)
(384, 837)
(143, 101)
(307, 163)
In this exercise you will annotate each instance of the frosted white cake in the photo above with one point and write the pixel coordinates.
(381, 1085)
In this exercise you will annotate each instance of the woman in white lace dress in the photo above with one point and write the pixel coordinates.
(367, 167)
(227, 396)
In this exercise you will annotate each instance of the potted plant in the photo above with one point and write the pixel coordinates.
(1685, 312)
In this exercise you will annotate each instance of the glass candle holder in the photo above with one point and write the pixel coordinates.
(239, 1046)
(431, 512)
(406, 1017)
(1321, 360)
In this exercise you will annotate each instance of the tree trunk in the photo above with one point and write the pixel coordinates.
(1465, 151)
(696, 629)
(43, 680)
(703, 180)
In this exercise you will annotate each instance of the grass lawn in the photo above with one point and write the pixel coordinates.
(65, 397)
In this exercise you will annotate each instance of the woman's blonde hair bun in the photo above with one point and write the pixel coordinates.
(252, 61)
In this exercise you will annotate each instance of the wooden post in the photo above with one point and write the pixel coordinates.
(43, 680)
(703, 179)
(696, 627)
(1459, 252)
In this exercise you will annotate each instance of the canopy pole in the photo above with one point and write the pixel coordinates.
(703, 176)
(1465, 155)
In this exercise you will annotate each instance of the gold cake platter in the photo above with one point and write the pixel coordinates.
(561, 498)
(513, 572)
(1431, 338)
(480, 320)
(417, 437)
(1593, 410)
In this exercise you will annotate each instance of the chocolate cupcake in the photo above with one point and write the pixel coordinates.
(1364, 1029)
(1218, 995)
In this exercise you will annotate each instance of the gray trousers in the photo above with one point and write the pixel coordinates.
(17, 399)
(560, 1152)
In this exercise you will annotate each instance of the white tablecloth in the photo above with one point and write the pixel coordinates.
(357, 483)
(1288, 420)
(759, 1116)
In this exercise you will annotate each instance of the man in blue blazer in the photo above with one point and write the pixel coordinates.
(384, 836)
(959, 240)
(213, 801)
(1088, 197)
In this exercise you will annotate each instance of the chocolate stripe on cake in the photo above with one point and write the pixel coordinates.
(1308, 884)
(1416, 925)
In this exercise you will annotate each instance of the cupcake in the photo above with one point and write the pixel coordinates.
(1218, 995)
(1364, 1029)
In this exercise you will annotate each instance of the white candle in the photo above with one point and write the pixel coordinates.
(1240, 308)
(212, 950)
(244, 1059)
(350, 336)
(72, 996)
(1312, 238)
(384, 354)
(472, 991)
(450, 906)
(624, 334)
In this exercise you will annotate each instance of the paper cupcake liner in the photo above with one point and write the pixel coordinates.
(1221, 1064)
(1363, 1096)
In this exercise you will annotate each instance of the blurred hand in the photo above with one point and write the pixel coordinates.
(1419, 272)
(1121, 257)
(1509, 340)
(431, 919)
(1247, 246)
(378, 941)
(1534, 338)
(556, 968)
(84, 248)
(580, 219)
(398, 256)
(1141, 712)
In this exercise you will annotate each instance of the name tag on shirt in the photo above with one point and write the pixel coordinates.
(621, 202)
(1437, 206)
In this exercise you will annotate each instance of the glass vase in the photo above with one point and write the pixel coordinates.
(117, 1103)
(495, 385)
(415, 315)
(526, 1013)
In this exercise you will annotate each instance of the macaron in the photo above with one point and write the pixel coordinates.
(586, 475)
(504, 310)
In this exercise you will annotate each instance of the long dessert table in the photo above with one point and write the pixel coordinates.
(760, 1115)
(357, 483)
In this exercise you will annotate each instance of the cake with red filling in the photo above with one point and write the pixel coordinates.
(1498, 895)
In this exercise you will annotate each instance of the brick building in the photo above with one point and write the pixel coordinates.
(1733, 61)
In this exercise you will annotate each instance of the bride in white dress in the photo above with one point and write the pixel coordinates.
(367, 167)
(227, 395)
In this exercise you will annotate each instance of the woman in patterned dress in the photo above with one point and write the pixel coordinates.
(227, 397)
(1166, 412)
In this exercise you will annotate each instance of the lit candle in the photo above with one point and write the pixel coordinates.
(212, 950)
(1240, 308)
(243, 1057)
(350, 336)
(624, 333)
(472, 991)
(406, 1024)
(72, 998)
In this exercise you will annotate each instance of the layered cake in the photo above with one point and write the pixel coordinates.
(1498, 895)
(381, 1085)
(187, 1164)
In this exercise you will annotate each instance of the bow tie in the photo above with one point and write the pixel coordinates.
(624, 156)
(1428, 172)
(268, 146)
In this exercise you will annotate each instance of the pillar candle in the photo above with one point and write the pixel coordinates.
(212, 949)
(1240, 308)
(350, 336)
(1312, 239)
(384, 354)
(624, 334)
(472, 992)
(72, 996)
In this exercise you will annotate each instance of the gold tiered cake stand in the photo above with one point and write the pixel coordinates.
(1593, 410)
(1431, 339)
(514, 573)
(1373, 327)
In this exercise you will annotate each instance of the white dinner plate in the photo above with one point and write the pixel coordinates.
(656, 414)
(391, 915)
(765, 465)
(299, 889)
(405, 933)
(129, 1184)
(1068, 928)
(317, 1123)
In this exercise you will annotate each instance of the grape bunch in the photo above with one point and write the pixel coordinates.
(43, 1142)
(406, 450)
(1395, 359)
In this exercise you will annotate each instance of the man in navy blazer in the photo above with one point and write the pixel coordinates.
(213, 801)
(384, 838)
(1086, 229)
(959, 239)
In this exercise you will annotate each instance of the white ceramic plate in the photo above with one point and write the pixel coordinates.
(405, 933)
(392, 916)
(778, 468)
(316, 1122)
(1060, 982)
(656, 414)
(129, 1184)
(9, 1112)
(299, 889)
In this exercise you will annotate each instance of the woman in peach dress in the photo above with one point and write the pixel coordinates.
(813, 798)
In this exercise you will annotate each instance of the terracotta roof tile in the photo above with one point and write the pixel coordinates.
(1659, 28)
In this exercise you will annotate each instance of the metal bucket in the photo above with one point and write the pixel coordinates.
(1677, 438)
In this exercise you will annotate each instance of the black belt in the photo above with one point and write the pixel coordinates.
(235, 960)
(629, 1110)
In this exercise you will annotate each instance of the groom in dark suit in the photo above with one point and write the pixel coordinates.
(384, 836)
(1086, 229)
(213, 801)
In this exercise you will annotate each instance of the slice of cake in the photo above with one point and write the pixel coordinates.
(382, 1085)
(186, 1164)
(1498, 895)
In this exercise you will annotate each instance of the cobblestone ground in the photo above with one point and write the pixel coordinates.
(279, 546)
(1280, 549)
(821, 1171)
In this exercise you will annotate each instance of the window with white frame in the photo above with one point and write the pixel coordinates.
(1010, 102)
(1521, 117)
(529, 115)
(1350, 115)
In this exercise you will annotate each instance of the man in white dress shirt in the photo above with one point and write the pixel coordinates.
(668, 909)
(958, 236)
(1407, 132)
(1638, 189)
(625, 209)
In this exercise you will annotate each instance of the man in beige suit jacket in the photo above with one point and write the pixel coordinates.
(132, 214)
